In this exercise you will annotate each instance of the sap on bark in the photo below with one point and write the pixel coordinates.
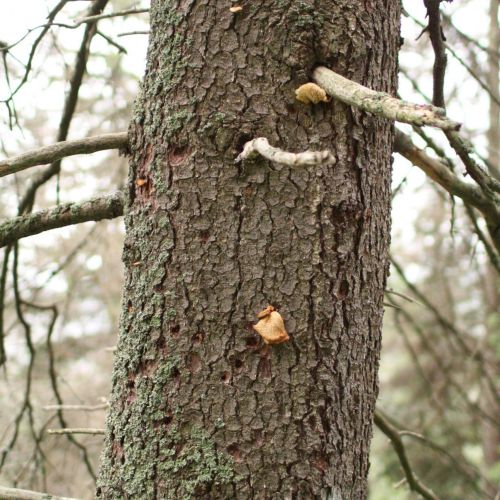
(271, 326)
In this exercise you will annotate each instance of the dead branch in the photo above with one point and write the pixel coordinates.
(102, 406)
(121, 13)
(381, 103)
(17, 494)
(435, 31)
(70, 103)
(76, 430)
(393, 434)
(59, 150)
(441, 174)
(105, 207)
(261, 146)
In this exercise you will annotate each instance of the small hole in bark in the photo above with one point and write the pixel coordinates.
(241, 140)
(248, 192)
(204, 235)
(178, 449)
(238, 363)
(161, 343)
(130, 307)
(175, 329)
(158, 289)
(234, 451)
(343, 289)
(178, 154)
(225, 377)
(252, 341)
(258, 439)
(290, 107)
(194, 363)
(320, 462)
(312, 422)
(198, 338)
(98, 492)
(264, 369)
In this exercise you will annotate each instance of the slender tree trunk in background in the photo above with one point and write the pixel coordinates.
(491, 435)
(199, 408)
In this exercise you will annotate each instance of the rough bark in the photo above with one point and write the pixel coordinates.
(199, 407)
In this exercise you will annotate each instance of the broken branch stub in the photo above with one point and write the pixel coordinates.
(260, 146)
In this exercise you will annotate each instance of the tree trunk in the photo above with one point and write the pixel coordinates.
(200, 408)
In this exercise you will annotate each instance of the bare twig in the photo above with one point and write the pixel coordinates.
(493, 256)
(128, 33)
(437, 40)
(121, 13)
(463, 63)
(17, 494)
(459, 336)
(393, 434)
(49, 154)
(490, 50)
(403, 296)
(102, 406)
(105, 207)
(381, 103)
(80, 66)
(261, 146)
(56, 391)
(53, 13)
(108, 39)
(76, 430)
(463, 150)
(441, 174)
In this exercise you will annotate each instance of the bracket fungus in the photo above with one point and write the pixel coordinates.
(311, 93)
(271, 326)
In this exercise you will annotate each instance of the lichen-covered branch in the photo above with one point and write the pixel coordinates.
(261, 146)
(105, 207)
(17, 494)
(381, 103)
(397, 443)
(49, 154)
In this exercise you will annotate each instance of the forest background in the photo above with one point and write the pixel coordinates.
(441, 340)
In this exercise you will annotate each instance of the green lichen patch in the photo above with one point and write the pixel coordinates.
(192, 464)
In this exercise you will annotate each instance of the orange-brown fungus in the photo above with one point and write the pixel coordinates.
(271, 326)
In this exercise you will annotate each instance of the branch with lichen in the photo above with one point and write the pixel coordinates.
(105, 207)
(59, 150)
(381, 103)
(18, 494)
(260, 146)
